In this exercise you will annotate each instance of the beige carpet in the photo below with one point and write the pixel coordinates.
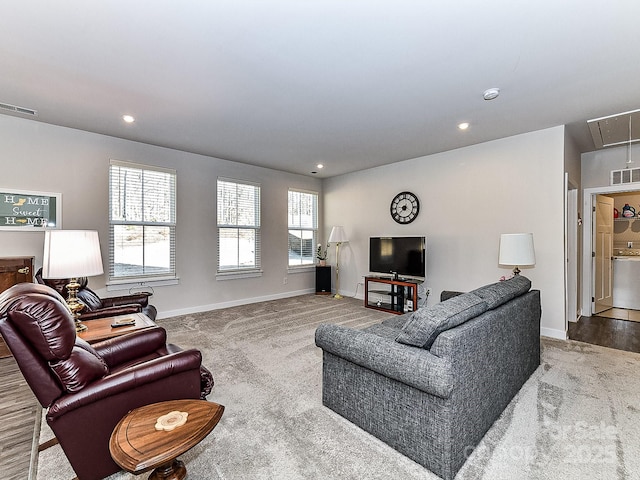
(578, 416)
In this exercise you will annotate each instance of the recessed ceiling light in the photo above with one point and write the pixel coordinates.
(320, 165)
(128, 118)
(463, 125)
(491, 93)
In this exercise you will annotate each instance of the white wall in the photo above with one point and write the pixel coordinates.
(41, 157)
(468, 197)
(572, 160)
(597, 166)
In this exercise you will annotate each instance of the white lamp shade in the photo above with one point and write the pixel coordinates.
(516, 249)
(71, 254)
(338, 235)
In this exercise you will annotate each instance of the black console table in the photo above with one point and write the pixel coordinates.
(396, 293)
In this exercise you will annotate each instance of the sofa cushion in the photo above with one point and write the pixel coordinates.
(428, 322)
(495, 294)
(397, 321)
(383, 331)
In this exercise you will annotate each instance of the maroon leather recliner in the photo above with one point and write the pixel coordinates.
(89, 388)
(96, 307)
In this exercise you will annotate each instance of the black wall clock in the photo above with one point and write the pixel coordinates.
(405, 207)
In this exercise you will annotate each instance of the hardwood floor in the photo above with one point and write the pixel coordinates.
(607, 332)
(19, 412)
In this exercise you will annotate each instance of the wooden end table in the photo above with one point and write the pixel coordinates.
(137, 446)
(100, 329)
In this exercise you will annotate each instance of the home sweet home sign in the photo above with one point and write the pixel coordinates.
(25, 210)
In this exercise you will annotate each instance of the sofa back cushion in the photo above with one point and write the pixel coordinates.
(496, 294)
(427, 323)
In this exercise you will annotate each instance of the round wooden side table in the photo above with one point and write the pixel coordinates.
(137, 446)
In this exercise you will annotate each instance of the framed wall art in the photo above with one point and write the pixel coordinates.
(29, 211)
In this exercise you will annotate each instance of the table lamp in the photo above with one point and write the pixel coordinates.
(72, 254)
(516, 250)
(338, 237)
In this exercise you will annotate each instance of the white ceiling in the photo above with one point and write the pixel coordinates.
(353, 84)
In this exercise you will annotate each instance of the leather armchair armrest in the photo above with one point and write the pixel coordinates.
(139, 298)
(111, 311)
(128, 380)
(118, 350)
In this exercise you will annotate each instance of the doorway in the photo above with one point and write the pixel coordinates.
(591, 277)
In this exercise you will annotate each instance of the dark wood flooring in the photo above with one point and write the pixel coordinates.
(607, 332)
(19, 412)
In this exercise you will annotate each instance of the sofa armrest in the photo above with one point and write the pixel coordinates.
(410, 365)
(159, 369)
(118, 350)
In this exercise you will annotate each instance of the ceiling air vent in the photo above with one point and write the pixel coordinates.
(626, 175)
(17, 109)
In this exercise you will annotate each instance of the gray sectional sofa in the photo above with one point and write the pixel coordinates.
(431, 383)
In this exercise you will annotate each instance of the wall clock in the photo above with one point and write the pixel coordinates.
(405, 207)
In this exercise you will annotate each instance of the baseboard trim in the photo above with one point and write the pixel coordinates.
(553, 333)
(233, 303)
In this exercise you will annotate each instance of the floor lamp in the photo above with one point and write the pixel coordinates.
(72, 254)
(337, 236)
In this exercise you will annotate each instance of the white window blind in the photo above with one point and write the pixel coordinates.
(238, 226)
(142, 221)
(303, 227)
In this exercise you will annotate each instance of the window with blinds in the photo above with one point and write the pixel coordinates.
(142, 222)
(303, 227)
(238, 226)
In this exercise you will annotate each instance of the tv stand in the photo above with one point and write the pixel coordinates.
(395, 293)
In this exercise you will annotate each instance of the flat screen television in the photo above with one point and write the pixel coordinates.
(398, 256)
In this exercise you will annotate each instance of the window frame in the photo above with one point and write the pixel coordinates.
(165, 278)
(239, 271)
(314, 229)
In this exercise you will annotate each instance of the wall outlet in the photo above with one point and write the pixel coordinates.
(428, 290)
(285, 280)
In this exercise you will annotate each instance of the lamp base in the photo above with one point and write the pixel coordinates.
(75, 305)
(516, 271)
(81, 327)
(337, 296)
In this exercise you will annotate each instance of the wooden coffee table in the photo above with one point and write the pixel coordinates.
(100, 329)
(137, 446)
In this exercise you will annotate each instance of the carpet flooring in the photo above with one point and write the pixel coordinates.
(577, 417)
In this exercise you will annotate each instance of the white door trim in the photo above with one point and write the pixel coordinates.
(571, 255)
